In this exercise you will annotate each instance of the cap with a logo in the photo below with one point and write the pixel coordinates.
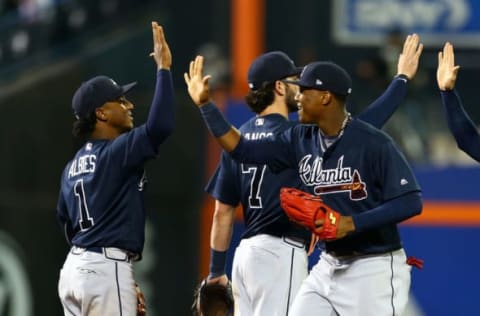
(270, 67)
(95, 92)
(326, 76)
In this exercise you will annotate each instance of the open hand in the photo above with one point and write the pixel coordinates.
(447, 71)
(408, 59)
(197, 84)
(161, 52)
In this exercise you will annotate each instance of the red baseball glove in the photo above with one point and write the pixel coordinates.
(309, 210)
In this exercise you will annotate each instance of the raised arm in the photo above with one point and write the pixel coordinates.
(161, 117)
(462, 127)
(380, 111)
(199, 90)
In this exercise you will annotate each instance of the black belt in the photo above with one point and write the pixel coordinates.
(339, 253)
(131, 256)
(296, 242)
(95, 249)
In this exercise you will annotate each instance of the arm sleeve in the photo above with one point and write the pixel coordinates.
(161, 117)
(222, 185)
(380, 111)
(393, 211)
(399, 188)
(460, 124)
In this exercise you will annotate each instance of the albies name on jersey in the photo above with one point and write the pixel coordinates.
(81, 165)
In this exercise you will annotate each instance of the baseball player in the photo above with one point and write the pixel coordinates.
(101, 203)
(269, 247)
(462, 127)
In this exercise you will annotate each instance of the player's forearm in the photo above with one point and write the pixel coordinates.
(220, 237)
(161, 117)
(222, 226)
(380, 111)
(460, 124)
(391, 212)
(226, 135)
(259, 151)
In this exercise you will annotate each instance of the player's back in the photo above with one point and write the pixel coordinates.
(259, 187)
(101, 194)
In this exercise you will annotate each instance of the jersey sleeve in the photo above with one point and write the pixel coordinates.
(62, 218)
(393, 172)
(380, 111)
(133, 148)
(401, 198)
(160, 121)
(222, 185)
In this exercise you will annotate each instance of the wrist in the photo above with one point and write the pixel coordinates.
(350, 224)
(218, 261)
(402, 76)
(214, 119)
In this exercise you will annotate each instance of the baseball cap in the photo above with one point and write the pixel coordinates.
(95, 92)
(269, 67)
(326, 76)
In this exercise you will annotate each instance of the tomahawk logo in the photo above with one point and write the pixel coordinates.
(327, 181)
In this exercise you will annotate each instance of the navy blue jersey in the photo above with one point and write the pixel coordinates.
(101, 201)
(255, 186)
(101, 197)
(360, 171)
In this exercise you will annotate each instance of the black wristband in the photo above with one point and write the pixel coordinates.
(216, 123)
(218, 260)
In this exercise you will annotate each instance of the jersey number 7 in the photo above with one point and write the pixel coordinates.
(254, 200)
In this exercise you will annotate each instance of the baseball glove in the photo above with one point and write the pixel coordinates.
(141, 306)
(211, 299)
(306, 209)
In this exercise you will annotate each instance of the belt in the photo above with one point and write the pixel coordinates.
(345, 253)
(110, 253)
(296, 242)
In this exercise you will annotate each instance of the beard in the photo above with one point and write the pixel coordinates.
(290, 101)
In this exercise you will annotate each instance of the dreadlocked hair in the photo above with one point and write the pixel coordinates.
(84, 126)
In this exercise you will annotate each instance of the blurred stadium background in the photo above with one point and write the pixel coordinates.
(48, 47)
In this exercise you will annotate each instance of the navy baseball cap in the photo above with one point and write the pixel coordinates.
(269, 67)
(325, 76)
(95, 92)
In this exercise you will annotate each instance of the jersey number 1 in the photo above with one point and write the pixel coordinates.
(254, 200)
(86, 221)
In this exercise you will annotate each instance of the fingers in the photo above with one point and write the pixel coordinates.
(412, 46)
(440, 58)
(161, 35)
(154, 31)
(419, 51)
(192, 65)
(450, 54)
(200, 65)
(157, 32)
(206, 78)
(195, 71)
